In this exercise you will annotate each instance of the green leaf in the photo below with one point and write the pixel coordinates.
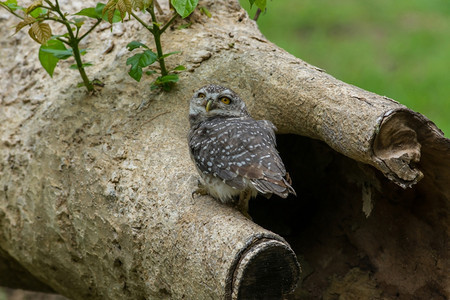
(79, 22)
(184, 26)
(143, 59)
(91, 12)
(179, 68)
(184, 7)
(97, 82)
(12, 4)
(135, 73)
(47, 59)
(261, 4)
(58, 52)
(33, 6)
(164, 82)
(205, 11)
(115, 18)
(54, 37)
(134, 45)
(150, 72)
(169, 54)
(154, 86)
(75, 67)
(157, 24)
(139, 61)
(38, 12)
(166, 79)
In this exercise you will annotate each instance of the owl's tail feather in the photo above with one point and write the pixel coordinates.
(278, 187)
(288, 181)
(289, 187)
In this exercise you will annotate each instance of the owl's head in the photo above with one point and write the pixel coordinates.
(215, 101)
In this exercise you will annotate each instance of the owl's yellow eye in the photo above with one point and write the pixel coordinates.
(201, 95)
(225, 100)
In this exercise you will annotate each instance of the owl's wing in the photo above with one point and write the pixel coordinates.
(240, 150)
(266, 171)
(270, 130)
(209, 146)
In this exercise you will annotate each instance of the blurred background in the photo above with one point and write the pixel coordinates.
(399, 49)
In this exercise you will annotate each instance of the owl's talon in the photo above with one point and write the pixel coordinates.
(242, 205)
(245, 213)
(200, 190)
(200, 184)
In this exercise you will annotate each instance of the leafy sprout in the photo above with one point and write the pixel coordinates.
(38, 15)
(147, 57)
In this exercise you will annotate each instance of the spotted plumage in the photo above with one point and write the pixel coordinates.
(235, 154)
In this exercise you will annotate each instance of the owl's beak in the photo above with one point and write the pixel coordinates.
(208, 105)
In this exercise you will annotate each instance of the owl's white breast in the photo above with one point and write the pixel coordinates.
(219, 190)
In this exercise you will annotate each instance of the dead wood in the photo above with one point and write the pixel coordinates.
(95, 198)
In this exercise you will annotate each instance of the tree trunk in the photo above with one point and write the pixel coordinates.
(95, 198)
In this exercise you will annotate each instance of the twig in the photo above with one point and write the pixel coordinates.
(258, 12)
(90, 29)
(154, 117)
(149, 28)
(158, 7)
(175, 15)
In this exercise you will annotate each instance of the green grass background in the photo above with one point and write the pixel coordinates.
(400, 49)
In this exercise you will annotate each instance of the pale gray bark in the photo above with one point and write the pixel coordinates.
(95, 190)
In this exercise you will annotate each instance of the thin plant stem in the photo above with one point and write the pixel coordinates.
(73, 42)
(159, 51)
(158, 7)
(57, 4)
(53, 7)
(258, 12)
(175, 15)
(11, 11)
(149, 28)
(76, 54)
(56, 20)
(157, 35)
(90, 29)
(77, 31)
(63, 40)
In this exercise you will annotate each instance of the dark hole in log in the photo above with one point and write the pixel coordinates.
(401, 250)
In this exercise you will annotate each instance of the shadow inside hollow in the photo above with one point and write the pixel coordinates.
(343, 252)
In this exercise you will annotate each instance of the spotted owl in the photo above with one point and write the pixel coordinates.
(235, 154)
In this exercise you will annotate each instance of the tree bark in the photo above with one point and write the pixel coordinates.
(95, 198)
(14, 275)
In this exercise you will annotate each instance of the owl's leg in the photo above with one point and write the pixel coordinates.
(244, 198)
(200, 190)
